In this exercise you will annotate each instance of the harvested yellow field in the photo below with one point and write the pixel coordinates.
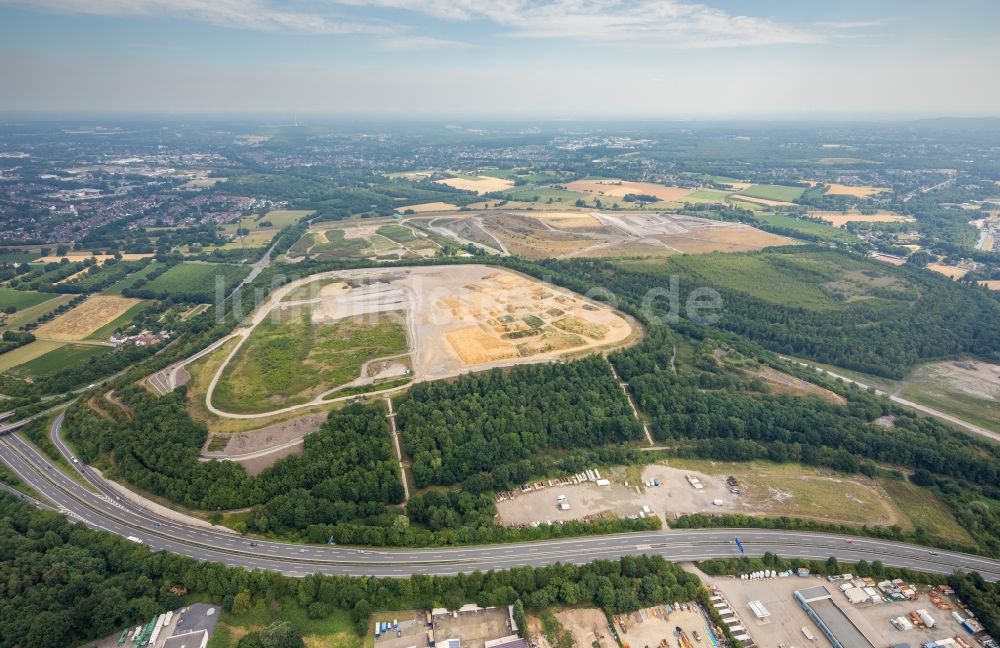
(951, 272)
(856, 192)
(475, 346)
(992, 284)
(567, 219)
(839, 219)
(86, 318)
(620, 188)
(101, 258)
(479, 184)
(429, 207)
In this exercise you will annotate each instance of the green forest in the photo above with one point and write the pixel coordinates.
(483, 430)
(346, 471)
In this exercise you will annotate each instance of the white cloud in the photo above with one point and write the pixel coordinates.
(257, 15)
(646, 22)
(405, 43)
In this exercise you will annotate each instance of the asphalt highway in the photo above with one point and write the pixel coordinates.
(96, 505)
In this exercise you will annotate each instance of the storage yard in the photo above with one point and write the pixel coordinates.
(861, 613)
(653, 626)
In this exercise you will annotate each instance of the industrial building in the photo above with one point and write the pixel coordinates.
(831, 620)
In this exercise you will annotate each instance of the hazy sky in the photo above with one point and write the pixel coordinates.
(549, 58)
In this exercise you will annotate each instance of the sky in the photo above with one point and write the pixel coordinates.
(559, 59)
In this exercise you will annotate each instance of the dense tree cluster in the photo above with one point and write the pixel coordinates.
(61, 584)
(483, 429)
(346, 471)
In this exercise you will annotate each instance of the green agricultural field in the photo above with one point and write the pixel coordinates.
(121, 321)
(32, 313)
(527, 193)
(293, 360)
(130, 281)
(193, 282)
(772, 192)
(66, 355)
(21, 298)
(397, 233)
(822, 230)
(19, 257)
(281, 217)
(706, 196)
(27, 353)
(498, 173)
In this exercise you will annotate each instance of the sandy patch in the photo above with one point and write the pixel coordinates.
(588, 625)
(92, 314)
(620, 188)
(839, 219)
(951, 272)
(992, 284)
(475, 346)
(428, 207)
(481, 184)
(567, 219)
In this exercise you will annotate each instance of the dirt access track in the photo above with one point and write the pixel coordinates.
(459, 318)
